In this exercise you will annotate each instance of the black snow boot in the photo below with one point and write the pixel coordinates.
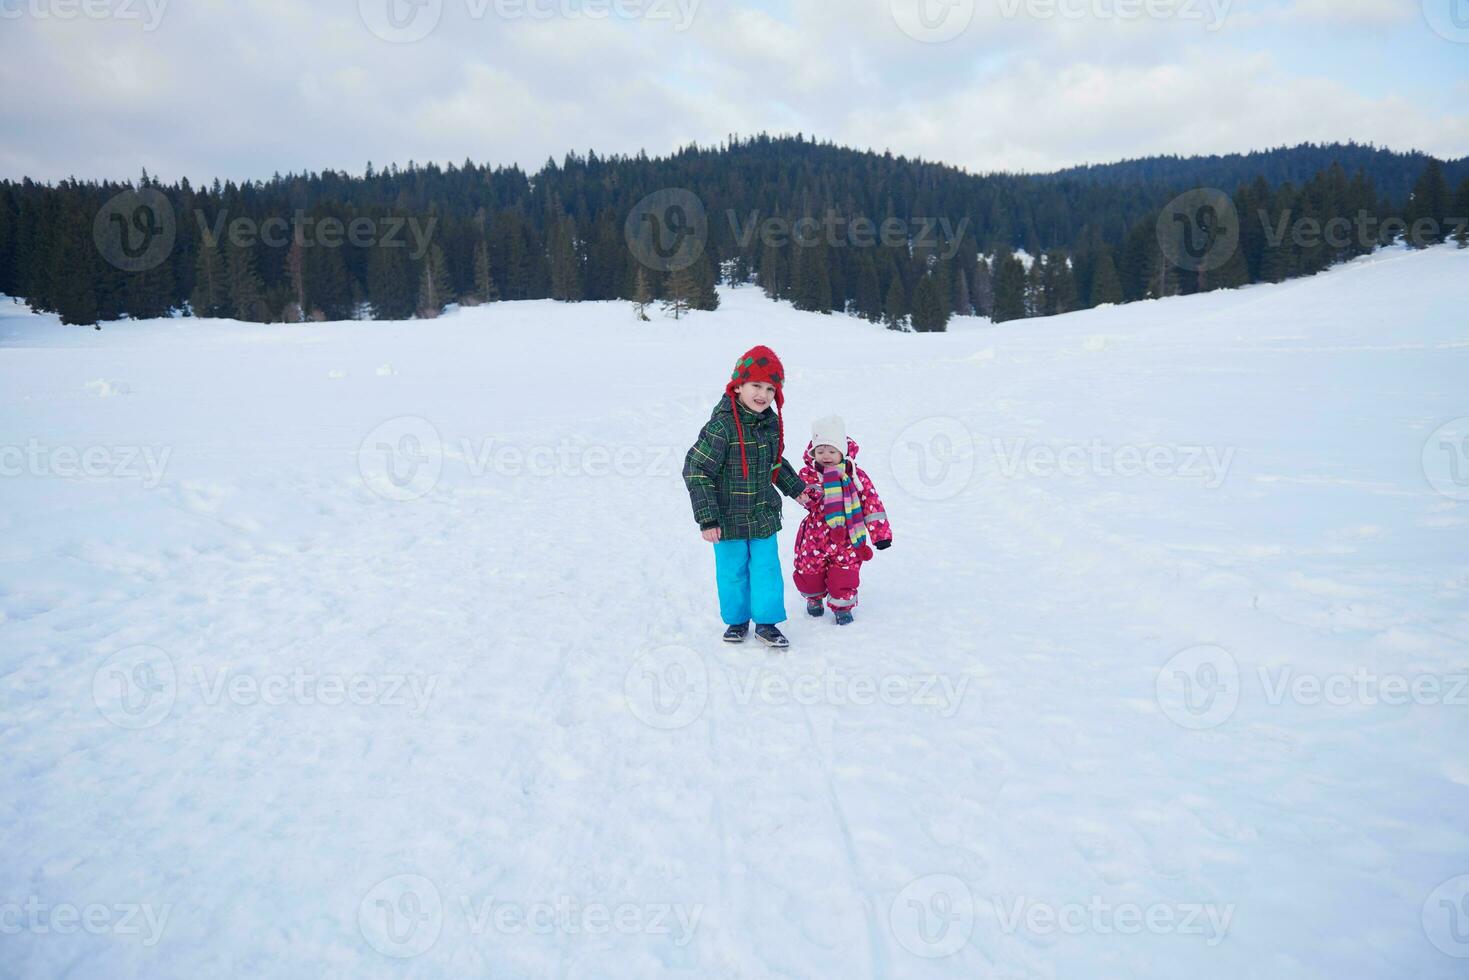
(844, 616)
(814, 607)
(771, 636)
(737, 634)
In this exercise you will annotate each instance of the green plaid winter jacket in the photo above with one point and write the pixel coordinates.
(741, 507)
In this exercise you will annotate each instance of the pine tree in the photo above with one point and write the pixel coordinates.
(811, 279)
(840, 278)
(601, 267)
(1335, 200)
(1083, 268)
(895, 307)
(74, 292)
(361, 307)
(930, 313)
(29, 248)
(771, 275)
(184, 255)
(149, 293)
(1251, 202)
(1035, 287)
(111, 290)
(433, 285)
(329, 285)
(564, 263)
(1279, 261)
(705, 295)
(965, 258)
(642, 295)
(742, 267)
(1059, 284)
(1009, 287)
(48, 258)
(1234, 273)
(296, 310)
(245, 293)
(1106, 287)
(1278, 265)
(679, 293)
(869, 298)
(9, 228)
(1316, 207)
(485, 289)
(1428, 207)
(984, 288)
(963, 306)
(390, 285)
(942, 273)
(1362, 211)
(1461, 214)
(1167, 261)
(1162, 277)
(510, 246)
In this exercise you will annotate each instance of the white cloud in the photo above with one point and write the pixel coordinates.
(244, 90)
(1033, 117)
(1356, 11)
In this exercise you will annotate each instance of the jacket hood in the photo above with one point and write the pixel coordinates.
(809, 456)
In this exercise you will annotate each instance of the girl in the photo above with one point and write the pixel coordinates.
(844, 524)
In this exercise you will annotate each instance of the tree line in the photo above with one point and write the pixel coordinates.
(892, 239)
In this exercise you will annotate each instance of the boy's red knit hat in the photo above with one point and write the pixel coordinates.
(759, 363)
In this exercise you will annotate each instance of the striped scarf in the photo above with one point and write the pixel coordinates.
(841, 505)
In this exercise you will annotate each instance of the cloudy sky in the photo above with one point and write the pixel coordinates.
(246, 88)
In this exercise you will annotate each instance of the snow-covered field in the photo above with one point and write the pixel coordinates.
(391, 649)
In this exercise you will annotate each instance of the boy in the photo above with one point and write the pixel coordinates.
(733, 472)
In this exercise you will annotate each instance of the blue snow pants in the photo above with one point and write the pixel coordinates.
(750, 582)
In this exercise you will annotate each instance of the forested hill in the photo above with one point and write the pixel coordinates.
(894, 239)
(1393, 173)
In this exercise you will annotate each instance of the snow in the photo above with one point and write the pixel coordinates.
(391, 649)
(1026, 259)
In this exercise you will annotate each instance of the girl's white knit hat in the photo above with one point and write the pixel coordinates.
(830, 431)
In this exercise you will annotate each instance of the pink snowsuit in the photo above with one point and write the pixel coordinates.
(826, 563)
